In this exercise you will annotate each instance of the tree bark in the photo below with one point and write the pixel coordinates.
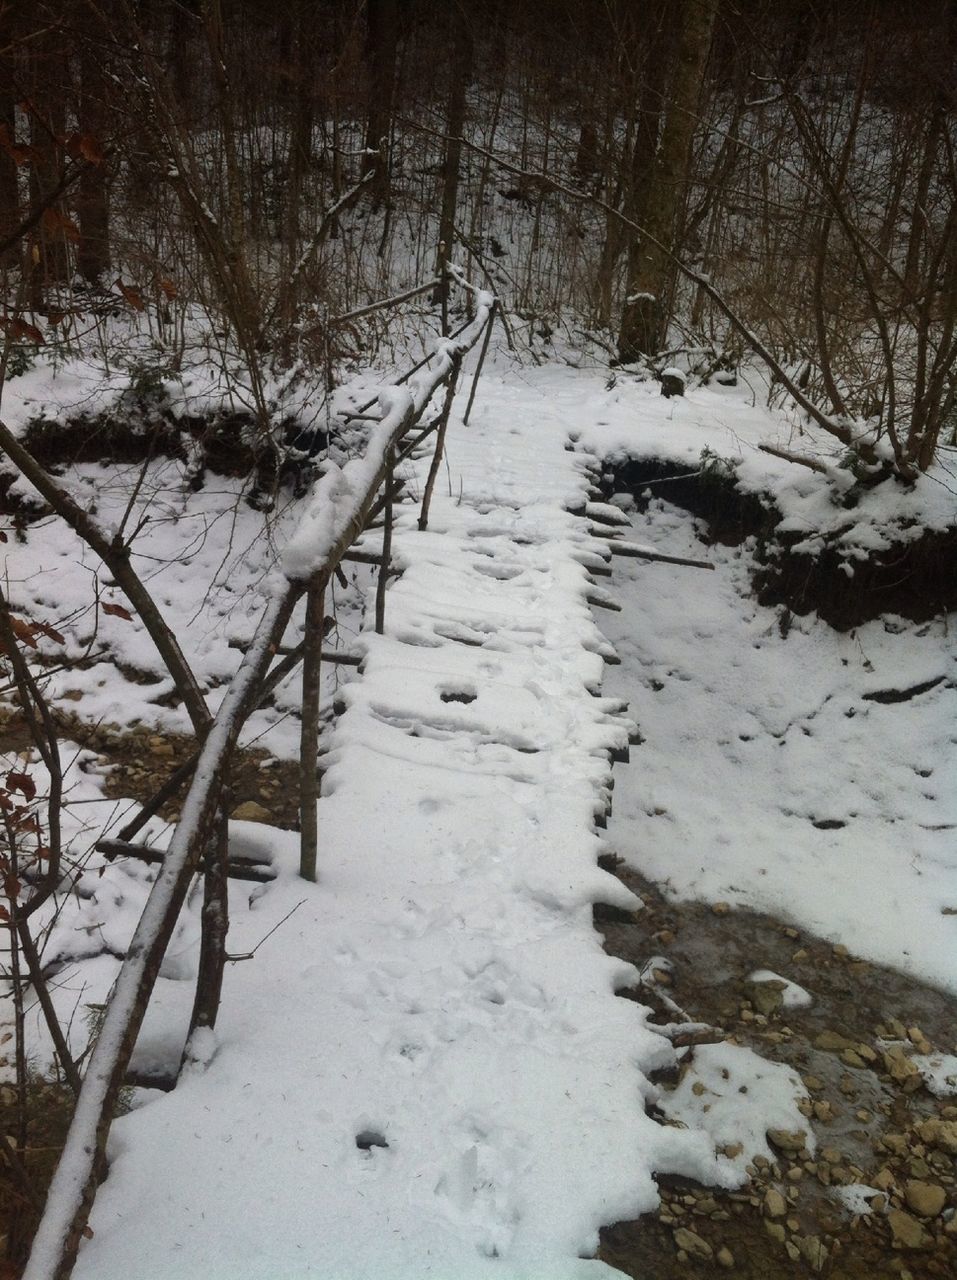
(461, 71)
(645, 316)
(382, 39)
(9, 200)
(93, 257)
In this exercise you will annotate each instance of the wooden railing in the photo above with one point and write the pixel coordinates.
(344, 503)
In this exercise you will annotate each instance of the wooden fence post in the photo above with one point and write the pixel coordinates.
(309, 733)
(386, 545)
(440, 440)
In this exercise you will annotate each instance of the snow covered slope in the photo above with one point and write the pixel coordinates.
(426, 1071)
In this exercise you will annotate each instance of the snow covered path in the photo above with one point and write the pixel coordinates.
(426, 1071)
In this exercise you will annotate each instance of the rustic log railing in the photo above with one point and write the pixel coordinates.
(344, 502)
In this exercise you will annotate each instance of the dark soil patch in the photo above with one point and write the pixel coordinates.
(916, 579)
(871, 1128)
(139, 761)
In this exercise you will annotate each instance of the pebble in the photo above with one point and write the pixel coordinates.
(940, 1133)
(725, 1258)
(832, 1042)
(692, 1243)
(907, 1232)
(925, 1198)
(775, 1205)
(720, 908)
(250, 811)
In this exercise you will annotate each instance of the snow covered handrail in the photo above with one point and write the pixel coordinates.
(342, 498)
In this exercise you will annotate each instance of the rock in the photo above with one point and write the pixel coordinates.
(672, 382)
(814, 1250)
(940, 1133)
(250, 811)
(786, 1140)
(907, 1232)
(851, 1058)
(732, 1149)
(925, 1198)
(692, 1243)
(775, 1205)
(725, 1258)
(832, 1042)
(901, 1070)
(884, 1179)
(814, 1083)
(720, 908)
(767, 997)
(776, 1231)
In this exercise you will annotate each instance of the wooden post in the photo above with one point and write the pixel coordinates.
(481, 361)
(386, 546)
(309, 734)
(440, 442)
(212, 950)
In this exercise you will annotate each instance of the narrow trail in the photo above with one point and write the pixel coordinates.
(427, 1071)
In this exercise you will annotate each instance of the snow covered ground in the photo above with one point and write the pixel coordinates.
(425, 1070)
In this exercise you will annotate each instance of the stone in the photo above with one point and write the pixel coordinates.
(787, 1140)
(692, 1243)
(775, 1205)
(907, 1232)
(901, 1070)
(725, 1258)
(250, 811)
(884, 1179)
(814, 1083)
(776, 1231)
(720, 908)
(800, 954)
(940, 1133)
(672, 383)
(767, 997)
(814, 1251)
(851, 1058)
(832, 1042)
(925, 1198)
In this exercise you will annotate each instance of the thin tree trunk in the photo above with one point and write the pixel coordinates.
(461, 71)
(382, 39)
(9, 199)
(93, 257)
(645, 316)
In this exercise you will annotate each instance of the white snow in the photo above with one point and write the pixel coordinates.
(425, 1070)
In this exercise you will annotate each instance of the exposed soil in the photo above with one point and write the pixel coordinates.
(871, 1128)
(138, 762)
(916, 579)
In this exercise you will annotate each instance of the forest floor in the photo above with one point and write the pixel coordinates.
(466, 1087)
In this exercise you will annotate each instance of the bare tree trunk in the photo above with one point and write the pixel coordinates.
(9, 200)
(382, 39)
(645, 317)
(93, 257)
(461, 71)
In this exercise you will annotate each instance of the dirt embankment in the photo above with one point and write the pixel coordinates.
(916, 579)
